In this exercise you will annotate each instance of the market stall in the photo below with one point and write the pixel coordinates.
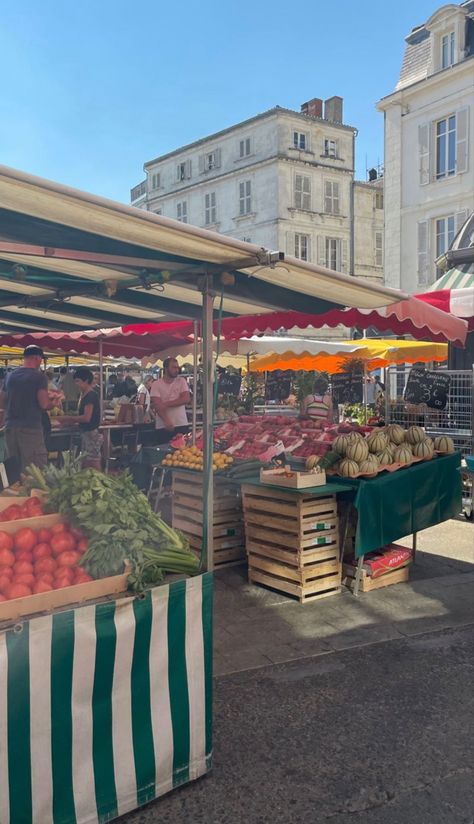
(134, 720)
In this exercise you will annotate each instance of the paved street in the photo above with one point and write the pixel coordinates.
(347, 710)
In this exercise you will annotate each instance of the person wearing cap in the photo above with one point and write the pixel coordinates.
(25, 398)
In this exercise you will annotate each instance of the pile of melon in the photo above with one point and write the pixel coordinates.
(386, 447)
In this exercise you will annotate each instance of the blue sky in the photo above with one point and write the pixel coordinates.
(91, 90)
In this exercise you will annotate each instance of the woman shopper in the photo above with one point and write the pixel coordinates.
(318, 406)
(88, 419)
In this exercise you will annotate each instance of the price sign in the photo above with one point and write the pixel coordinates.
(429, 388)
(347, 388)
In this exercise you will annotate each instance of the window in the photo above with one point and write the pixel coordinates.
(333, 253)
(330, 147)
(247, 239)
(379, 200)
(302, 192)
(158, 211)
(210, 212)
(245, 197)
(444, 234)
(446, 147)
(183, 170)
(244, 147)
(299, 140)
(379, 248)
(155, 181)
(302, 247)
(182, 211)
(331, 197)
(447, 50)
(210, 161)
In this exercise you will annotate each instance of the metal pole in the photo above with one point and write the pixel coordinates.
(365, 392)
(207, 427)
(195, 379)
(101, 379)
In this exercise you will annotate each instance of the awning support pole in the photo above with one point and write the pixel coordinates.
(365, 391)
(195, 381)
(208, 433)
(101, 378)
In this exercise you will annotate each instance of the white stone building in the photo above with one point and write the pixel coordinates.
(369, 229)
(429, 135)
(283, 179)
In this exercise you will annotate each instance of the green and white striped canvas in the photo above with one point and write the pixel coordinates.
(106, 707)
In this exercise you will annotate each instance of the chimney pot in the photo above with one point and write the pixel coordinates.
(333, 109)
(313, 108)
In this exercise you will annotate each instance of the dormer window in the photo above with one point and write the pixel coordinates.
(447, 50)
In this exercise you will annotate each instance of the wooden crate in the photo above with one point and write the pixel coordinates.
(228, 528)
(292, 542)
(367, 583)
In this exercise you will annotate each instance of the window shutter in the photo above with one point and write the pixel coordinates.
(201, 164)
(462, 128)
(424, 153)
(321, 250)
(328, 196)
(217, 155)
(290, 243)
(423, 251)
(178, 172)
(308, 241)
(344, 266)
(188, 168)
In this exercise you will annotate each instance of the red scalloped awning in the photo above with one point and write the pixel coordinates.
(459, 302)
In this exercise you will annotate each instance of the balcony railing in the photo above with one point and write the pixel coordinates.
(138, 191)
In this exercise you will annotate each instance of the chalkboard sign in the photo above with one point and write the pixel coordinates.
(347, 388)
(429, 388)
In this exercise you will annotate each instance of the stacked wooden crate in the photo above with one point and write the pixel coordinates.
(292, 541)
(187, 515)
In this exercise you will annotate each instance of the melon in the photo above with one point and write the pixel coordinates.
(395, 433)
(444, 444)
(356, 436)
(340, 444)
(415, 434)
(376, 442)
(403, 455)
(424, 449)
(385, 457)
(368, 467)
(311, 462)
(357, 450)
(348, 468)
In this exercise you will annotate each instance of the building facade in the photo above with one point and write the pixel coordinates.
(283, 180)
(429, 131)
(369, 228)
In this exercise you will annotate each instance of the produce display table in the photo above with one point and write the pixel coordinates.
(292, 538)
(396, 504)
(106, 706)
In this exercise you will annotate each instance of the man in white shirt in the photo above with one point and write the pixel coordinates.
(169, 396)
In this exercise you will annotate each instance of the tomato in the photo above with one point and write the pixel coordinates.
(35, 513)
(5, 582)
(6, 570)
(29, 580)
(33, 503)
(42, 586)
(18, 591)
(82, 545)
(82, 577)
(64, 572)
(3, 597)
(20, 567)
(41, 551)
(69, 559)
(58, 528)
(23, 555)
(25, 512)
(25, 539)
(7, 557)
(45, 576)
(45, 565)
(62, 543)
(6, 541)
(12, 513)
(60, 583)
(44, 535)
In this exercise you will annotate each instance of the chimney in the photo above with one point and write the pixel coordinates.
(313, 108)
(333, 109)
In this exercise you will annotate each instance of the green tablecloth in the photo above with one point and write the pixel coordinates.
(396, 504)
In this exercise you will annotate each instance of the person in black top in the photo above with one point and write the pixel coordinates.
(88, 419)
